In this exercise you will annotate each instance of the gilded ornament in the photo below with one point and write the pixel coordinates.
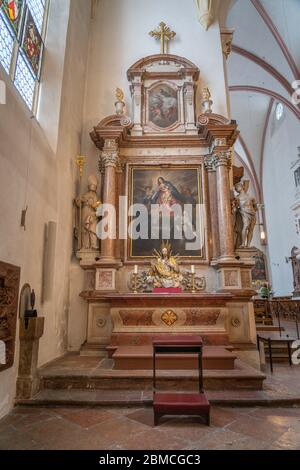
(169, 317)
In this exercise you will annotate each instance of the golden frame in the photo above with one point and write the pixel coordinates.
(198, 167)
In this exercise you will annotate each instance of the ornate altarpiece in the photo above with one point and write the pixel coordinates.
(165, 133)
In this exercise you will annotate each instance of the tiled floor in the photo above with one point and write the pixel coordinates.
(128, 428)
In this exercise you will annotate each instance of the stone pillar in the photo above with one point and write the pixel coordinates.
(28, 380)
(189, 107)
(110, 158)
(120, 192)
(213, 206)
(136, 92)
(222, 161)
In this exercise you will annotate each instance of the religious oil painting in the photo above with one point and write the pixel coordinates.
(163, 106)
(166, 195)
(259, 270)
(32, 43)
(13, 12)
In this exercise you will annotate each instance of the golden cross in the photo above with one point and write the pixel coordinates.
(164, 34)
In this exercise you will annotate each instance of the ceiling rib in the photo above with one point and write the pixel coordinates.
(268, 21)
(266, 66)
(267, 92)
(263, 144)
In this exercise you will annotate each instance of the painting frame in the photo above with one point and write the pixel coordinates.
(201, 257)
(163, 97)
(149, 126)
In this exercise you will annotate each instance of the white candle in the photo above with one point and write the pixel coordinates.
(135, 269)
(193, 269)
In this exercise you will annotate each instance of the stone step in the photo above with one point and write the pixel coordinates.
(141, 358)
(243, 377)
(209, 338)
(127, 398)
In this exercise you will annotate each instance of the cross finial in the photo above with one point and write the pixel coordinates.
(164, 34)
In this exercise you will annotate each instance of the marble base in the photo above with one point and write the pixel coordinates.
(87, 257)
(93, 350)
(247, 254)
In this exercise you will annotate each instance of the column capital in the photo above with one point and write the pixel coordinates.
(222, 158)
(110, 153)
(210, 163)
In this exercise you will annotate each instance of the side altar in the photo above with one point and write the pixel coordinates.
(166, 155)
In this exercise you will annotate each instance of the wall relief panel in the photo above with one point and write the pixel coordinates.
(9, 291)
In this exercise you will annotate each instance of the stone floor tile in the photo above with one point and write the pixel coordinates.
(152, 440)
(78, 428)
(290, 440)
(257, 428)
(85, 417)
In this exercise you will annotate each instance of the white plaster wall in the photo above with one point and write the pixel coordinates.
(279, 194)
(119, 37)
(37, 169)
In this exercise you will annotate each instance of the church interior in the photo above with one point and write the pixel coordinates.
(150, 224)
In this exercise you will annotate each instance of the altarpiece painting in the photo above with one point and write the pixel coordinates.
(162, 189)
(163, 106)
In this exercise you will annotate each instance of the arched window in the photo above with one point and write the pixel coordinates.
(279, 111)
(22, 34)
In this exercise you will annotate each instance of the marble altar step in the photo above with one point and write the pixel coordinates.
(136, 398)
(141, 358)
(74, 372)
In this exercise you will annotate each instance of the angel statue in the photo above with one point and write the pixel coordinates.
(165, 271)
(244, 210)
(88, 204)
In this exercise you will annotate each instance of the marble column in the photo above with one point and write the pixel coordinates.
(110, 159)
(213, 206)
(222, 161)
(120, 192)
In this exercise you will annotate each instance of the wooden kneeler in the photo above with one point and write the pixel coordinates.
(170, 403)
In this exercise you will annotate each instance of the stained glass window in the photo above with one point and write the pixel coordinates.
(22, 33)
(37, 9)
(6, 44)
(24, 81)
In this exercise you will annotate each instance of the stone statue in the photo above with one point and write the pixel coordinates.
(244, 209)
(88, 204)
(165, 271)
(206, 101)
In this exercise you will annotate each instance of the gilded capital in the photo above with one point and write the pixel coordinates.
(110, 153)
(210, 163)
(222, 158)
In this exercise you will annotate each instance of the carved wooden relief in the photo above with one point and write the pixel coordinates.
(9, 290)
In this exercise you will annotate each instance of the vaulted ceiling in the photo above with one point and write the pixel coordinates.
(264, 61)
